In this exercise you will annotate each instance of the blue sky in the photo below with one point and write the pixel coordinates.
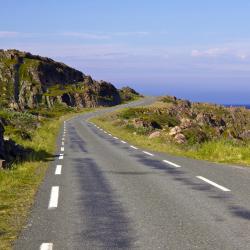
(199, 50)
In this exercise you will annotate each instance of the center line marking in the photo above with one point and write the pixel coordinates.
(133, 147)
(46, 246)
(123, 142)
(147, 153)
(58, 169)
(62, 148)
(171, 163)
(54, 194)
(62, 143)
(214, 184)
(60, 156)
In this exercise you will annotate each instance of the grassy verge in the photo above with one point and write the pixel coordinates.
(220, 151)
(18, 185)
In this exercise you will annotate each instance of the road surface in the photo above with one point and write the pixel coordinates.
(103, 193)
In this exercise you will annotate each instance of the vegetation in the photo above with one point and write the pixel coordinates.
(196, 130)
(19, 183)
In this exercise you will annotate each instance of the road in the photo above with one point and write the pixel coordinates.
(104, 193)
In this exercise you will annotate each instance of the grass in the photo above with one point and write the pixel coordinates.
(18, 185)
(219, 151)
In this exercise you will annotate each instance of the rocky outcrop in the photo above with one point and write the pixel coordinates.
(28, 81)
(128, 94)
(186, 122)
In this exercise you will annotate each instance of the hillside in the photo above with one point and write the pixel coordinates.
(28, 81)
(34, 89)
(199, 130)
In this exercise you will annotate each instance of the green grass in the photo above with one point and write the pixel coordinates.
(18, 185)
(220, 151)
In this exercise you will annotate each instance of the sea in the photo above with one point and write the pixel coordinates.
(238, 105)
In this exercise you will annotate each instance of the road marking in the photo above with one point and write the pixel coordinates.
(115, 137)
(60, 156)
(110, 135)
(171, 163)
(214, 184)
(147, 153)
(105, 132)
(58, 169)
(123, 142)
(53, 202)
(133, 147)
(62, 143)
(62, 148)
(46, 246)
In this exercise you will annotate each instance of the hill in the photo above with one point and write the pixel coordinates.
(28, 81)
(200, 130)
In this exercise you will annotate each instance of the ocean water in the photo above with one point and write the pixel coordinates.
(238, 105)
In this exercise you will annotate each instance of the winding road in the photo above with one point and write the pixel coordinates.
(103, 193)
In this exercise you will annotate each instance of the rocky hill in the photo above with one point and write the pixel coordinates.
(28, 81)
(184, 122)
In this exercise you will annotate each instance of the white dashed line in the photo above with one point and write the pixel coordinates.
(123, 142)
(172, 164)
(147, 153)
(110, 135)
(214, 184)
(53, 202)
(115, 137)
(62, 149)
(62, 143)
(60, 156)
(46, 246)
(133, 147)
(105, 132)
(58, 169)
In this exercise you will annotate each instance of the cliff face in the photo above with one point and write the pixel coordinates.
(28, 81)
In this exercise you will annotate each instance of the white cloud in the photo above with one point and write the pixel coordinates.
(211, 52)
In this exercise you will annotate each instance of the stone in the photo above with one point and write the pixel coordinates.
(245, 135)
(154, 134)
(186, 123)
(180, 138)
(174, 131)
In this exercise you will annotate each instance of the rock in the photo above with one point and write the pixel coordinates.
(154, 134)
(180, 138)
(186, 123)
(28, 81)
(245, 135)
(174, 131)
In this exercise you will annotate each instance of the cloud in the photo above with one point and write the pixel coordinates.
(212, 52)
(133, 33)
(8, 34)
(84, 35)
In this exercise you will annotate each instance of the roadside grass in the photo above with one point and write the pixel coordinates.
(219, 151)
(19, 184)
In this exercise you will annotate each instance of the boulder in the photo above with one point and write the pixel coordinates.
(180, 138)
(175, 130)
(186, 123)
(245, 135)
(154, 134)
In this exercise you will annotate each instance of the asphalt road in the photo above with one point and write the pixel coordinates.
(103, 193)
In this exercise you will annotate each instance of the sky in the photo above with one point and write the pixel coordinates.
(197, 50)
